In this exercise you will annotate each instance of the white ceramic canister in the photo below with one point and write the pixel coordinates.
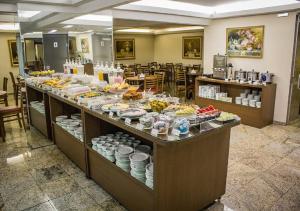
(245, 101)
(258, 104)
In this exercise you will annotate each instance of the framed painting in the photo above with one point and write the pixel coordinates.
(124, 49)
(245, 42)
(192, 47)
(85, 48)
(13, 52)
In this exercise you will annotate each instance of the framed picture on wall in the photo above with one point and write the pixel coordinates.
(84, 42)
(245, 42)
(192, 47)
(124, 49)
(13, 52)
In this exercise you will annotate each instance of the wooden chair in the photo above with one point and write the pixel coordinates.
(160, 81)
(197, 67)
(129, 74)
(3, 92)
(170, 73)
(12, 113)
(12, 77)
(180, 82)
(150, 83)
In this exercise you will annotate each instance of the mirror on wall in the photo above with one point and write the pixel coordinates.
(82, 39)
(146, 42)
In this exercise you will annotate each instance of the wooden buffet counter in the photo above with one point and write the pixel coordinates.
(40, 121)
(255, 117)
(189, 172)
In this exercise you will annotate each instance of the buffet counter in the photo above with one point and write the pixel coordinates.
(141, 168)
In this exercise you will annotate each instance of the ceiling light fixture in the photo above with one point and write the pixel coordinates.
(68, 26)
(95, 18)
(283, 14)
(135, 30)
(27, 14)
(9, 26)
(52, 31)
(188, 28)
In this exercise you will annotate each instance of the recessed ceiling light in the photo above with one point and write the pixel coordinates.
(68, 26)
(27, 14)
(52, 31)
(283, 14)
(184, 28)
(135, 30)
(95, 18)
(9, 26)
(88, 31)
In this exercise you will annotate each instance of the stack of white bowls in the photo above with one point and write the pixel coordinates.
(143, 148)
(73, 126)
(138, 162)
(39, 106)
(249, 98)
(149, 175)
(122, 157)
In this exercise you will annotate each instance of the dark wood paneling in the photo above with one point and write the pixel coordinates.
(191, 176)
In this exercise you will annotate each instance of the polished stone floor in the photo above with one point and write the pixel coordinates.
(263, 173)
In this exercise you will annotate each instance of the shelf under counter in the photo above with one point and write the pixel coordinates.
(70, 146)
(126, 189)
(36, 119)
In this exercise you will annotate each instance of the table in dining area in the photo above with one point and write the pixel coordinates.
(190, 77)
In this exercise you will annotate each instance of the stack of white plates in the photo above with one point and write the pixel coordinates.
(138, 162)
(73, 126)
(122, 157)
(39, 106)
(149, 175)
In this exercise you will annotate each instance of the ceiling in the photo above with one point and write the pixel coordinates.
(209, 2)
(156, 14)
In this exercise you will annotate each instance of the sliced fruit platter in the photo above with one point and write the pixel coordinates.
(226, 117)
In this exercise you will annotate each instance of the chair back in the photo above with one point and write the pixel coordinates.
(178, 66)
(5, 79)
(129, 74)
(180, 77)
(150, 82)
(197, 67)
(89, 69)
(160, 80)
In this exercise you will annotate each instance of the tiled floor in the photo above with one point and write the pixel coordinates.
(263, 173)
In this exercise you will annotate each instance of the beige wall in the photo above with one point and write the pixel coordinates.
(144, 48)
(5, 65)
(277, 54)
(168, 48)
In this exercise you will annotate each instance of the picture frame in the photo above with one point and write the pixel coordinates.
(245, 42)
(13, 53)
(84, 42)
(124, 48)
(192, 47)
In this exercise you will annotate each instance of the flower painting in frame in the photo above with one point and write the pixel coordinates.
(245, 42)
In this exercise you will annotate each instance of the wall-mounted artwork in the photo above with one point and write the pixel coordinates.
(124, 49)
(13, 52)
(72, 47)
(245, 42)
(85, 48)
(192, 47)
